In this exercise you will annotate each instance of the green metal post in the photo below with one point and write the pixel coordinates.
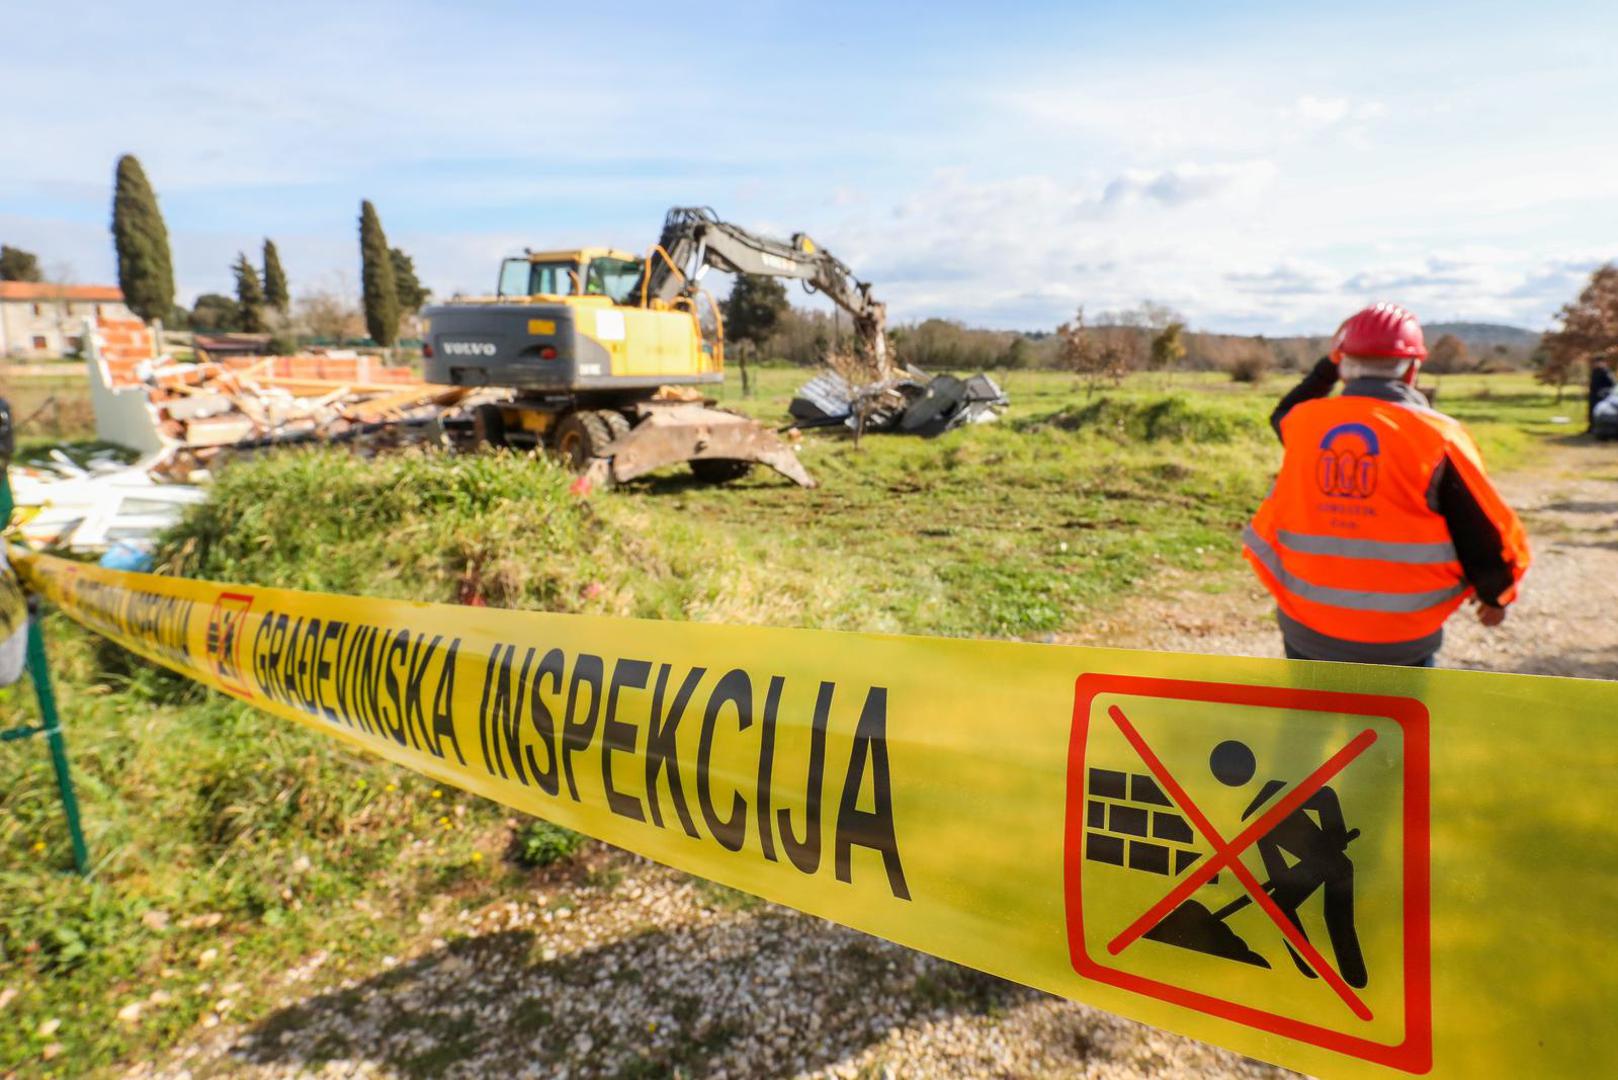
(51, 728)
(8, 440)
(50, 722)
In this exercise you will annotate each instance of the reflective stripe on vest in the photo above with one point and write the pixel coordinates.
(1396, 551)
(1352, 599)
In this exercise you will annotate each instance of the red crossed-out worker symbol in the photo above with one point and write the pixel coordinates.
(1154, 765)
(227, 622)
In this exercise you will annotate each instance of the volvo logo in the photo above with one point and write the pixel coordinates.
(468, 348)
(1348, 462)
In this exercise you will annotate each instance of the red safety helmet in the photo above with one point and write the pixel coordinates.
(1385, 330)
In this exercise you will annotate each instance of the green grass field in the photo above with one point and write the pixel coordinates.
(228, 841)
(48, 408)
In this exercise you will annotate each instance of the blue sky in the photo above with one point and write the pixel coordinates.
(1260, 168)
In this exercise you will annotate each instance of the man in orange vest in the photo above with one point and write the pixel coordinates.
(1382, 520)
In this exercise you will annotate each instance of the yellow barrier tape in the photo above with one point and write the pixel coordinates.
(13, 605)
(1345, 869)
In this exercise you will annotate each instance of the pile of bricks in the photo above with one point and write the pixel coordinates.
(124, 346)
(360, 369)
(201, 407)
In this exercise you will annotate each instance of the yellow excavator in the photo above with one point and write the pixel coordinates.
(601, 356)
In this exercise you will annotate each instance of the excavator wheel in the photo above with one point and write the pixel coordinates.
(719, 470)
(489, 424)
(617, 423)
(580, 437)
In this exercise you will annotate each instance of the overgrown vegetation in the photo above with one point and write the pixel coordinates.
(494, 528)
(1174, 417)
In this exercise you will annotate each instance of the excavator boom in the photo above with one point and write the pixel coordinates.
(694, 238)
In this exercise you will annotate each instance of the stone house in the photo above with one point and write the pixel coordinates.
(40, 319)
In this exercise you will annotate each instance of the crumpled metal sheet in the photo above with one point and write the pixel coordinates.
(914, 404)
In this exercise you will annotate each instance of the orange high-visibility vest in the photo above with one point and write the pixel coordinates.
(1350, 540)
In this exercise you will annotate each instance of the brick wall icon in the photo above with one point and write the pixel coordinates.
(1132, 824)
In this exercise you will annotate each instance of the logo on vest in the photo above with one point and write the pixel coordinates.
(1348, 462)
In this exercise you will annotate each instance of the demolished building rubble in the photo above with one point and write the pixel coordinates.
(179, 416)
(186, 413)
(100, 505)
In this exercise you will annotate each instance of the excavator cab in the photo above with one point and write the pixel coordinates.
(526, 277)
(616, 278)
(573, 273)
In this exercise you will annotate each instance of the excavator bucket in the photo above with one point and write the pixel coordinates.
(677, 432)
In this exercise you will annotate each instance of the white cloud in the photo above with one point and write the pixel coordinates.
(1211, 240)
(1327, 111)
(1188, 183)
(1290, 277)
(1026, 250)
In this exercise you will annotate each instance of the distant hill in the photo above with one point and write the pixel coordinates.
(1481, 335)
(1493, 346)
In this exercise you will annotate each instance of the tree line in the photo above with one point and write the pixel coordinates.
(761, 324)
(260, 300)
(1148, 337)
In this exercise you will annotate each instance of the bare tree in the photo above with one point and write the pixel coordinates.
(327, 314)
(1448, 356)
(1096, 353)
(1588, 332)
(1151, 315)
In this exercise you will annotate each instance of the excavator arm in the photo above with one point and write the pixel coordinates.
(694, 238)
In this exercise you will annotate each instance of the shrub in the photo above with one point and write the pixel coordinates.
(500, 528)
(1251, 366)
(539, 843)
(1161, 419)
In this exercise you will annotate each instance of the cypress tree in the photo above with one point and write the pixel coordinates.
(380, 290)
(249, 296)
(145, 268)
(411, 293)
(275, 279)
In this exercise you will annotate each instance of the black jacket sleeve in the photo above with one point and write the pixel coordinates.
(1477, 541)
(1316, 384)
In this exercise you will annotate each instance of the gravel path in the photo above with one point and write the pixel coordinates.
(663, 975)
